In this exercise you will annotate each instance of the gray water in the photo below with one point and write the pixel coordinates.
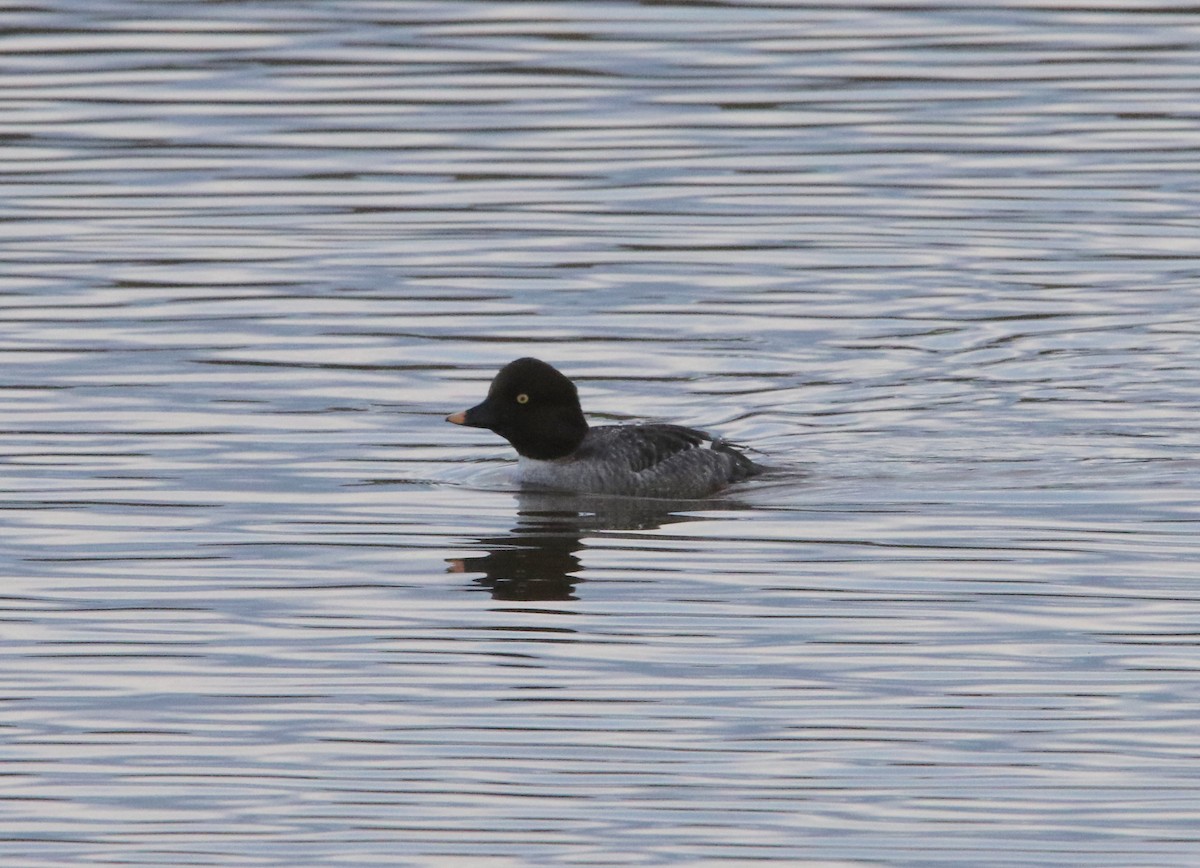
(262, 606)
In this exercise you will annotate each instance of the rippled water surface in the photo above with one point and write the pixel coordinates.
(262, 606)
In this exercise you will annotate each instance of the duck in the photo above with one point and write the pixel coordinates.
(536, 409)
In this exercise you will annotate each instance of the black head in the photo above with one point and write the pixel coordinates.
(533, 407)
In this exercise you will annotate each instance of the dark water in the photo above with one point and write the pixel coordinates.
(261, 606)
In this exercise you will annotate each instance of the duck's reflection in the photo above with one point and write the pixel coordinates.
(538, 560)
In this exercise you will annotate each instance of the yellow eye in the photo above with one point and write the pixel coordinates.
(522, 398)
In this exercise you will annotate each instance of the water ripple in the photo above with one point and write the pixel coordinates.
(262, 606)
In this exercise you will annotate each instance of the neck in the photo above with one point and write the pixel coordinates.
(568, 433)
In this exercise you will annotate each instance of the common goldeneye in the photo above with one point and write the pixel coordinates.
(536, 409)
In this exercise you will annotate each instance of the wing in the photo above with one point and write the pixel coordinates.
(648, 461)
(644, 447)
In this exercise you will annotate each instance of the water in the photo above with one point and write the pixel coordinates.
(262, 606)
